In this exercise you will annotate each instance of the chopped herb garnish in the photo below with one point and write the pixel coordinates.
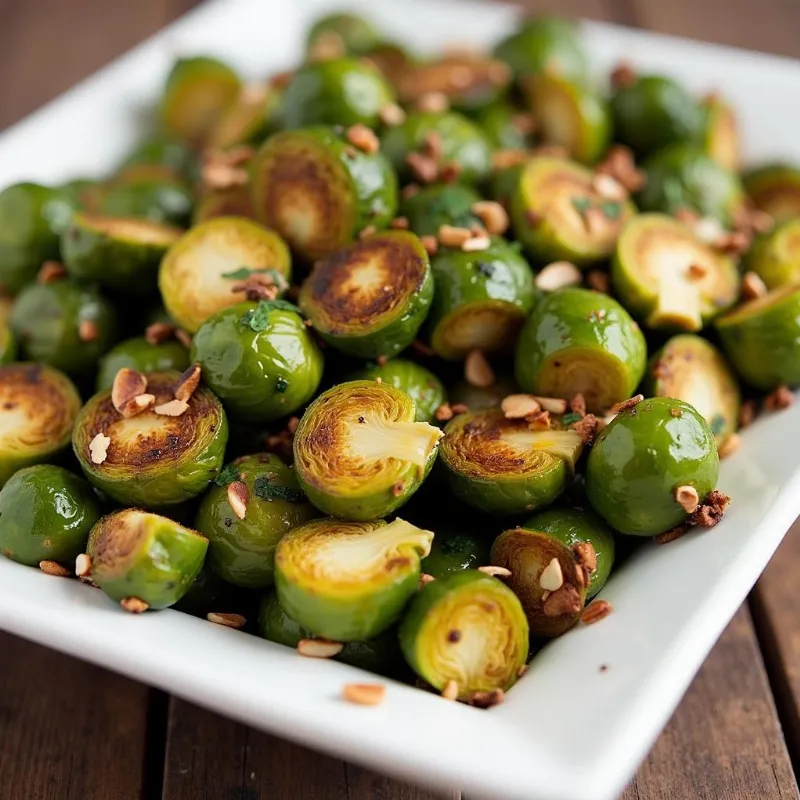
(272, 491)
(571, 418)
(611, 210)
(257, 318)
(245, 272)
(717, 424)
(227, 475)
(281, 385)
(581, 204)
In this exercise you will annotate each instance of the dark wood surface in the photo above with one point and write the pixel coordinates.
(71, 731)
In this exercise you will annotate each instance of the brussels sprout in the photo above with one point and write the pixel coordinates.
(506, 127)
(655, 112)
(120, 253)
(670, 278)
(47, 513)
(138, 354)
(577, 526)
(640, 460)
(152, 459)
(38, 406)
(419, 383)
(463, 144)
(64, 324)
(243, 528)
(691, 369)
(163, 151)
(684, 177)
(359, 454)
(318, 192)
(501, 466)
(208, 268)
(371, 298)
(341, 34)
(482, 398)
(27, 237)
(8, 344)
(78, 195)
(440, 204)
(773, 188)
(762, 338)
(233, 202)
(558, 214)
(481, 299)
(138, 556)
(721, 133)
(159, 198)
(775, 257)
(545, 44)
(467, 628)
(391, 58)
(349, 581)
(581, 342)
(455, 552)
(340, 91)
(570, 114)
(210, 594)
(259, 358)
(247, 120)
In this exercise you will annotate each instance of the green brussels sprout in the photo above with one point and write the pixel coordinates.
(467, 628)
(506, 127)
(47, 514)
(775, 257)
(581, 342)
(318, 192)
(481, 299)
(64, 324)
(248, 120)
(668, 277)
(152, 459)
(482, 398)
(653, 112)
(259, 358)
(371, 298)
(340, 34)
(121, 253)
(235, 201)
(455, 552)
(419, 383)
(163, 151)
(774, 189)
(349, 581)
(682, 176)
(762, 338)
(339, 91)
(209, 267)
(691, 369)
(209, 594)
(144, 560)
(38, 407)
(168, 202)
(642, 458)
(243, 527)
(721, 133)
(575, 527)
(559, 215)
(440, 204)
(501, 466)
(138, 354)
(198, 91)
(359, 454)
(503, 181)
(8, 345)
(545, 44)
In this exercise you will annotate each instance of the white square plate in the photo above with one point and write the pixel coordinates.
(567, 730)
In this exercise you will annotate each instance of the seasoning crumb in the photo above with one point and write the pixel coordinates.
(587, 428)
(495, 572)
(83, 565)
(54, 568)
(603, 668)
(676, 412)
(595, 611)
(450, 691)
(159, 332)
(228, 620)
(477, 370)
(238, 498)
(319, 648)
(779, 399)
(98, 448)
(424, 579)
(564, 601)
(364, 694)
(730, 445)
(687, 498)
(672, 534)
(753, 286)
(134, 605)
(625, 405)
(454, 636)
(712, 509)
(444, 412)
(577, 404)
(172, 408)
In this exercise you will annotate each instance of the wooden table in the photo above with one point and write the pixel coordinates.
(71, 731)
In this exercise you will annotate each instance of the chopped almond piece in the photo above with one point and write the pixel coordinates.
(519, 406)
(430, 244)
(555, 405)
(238, 497)
(134, 605)
(51, 271)
(136, 405)
(173, 408)
(128, 383)
(188, 383)
(595, 611)
(159, 332)
(444, 412)
(228, 620)
(496, 572)
(450, 236)
(780, 398)
(98, 448)
(364, 694)
(565, 600)
(88, 331)
(552, 577)
(752, 286)
(424, 578)
(54, 568)
(433, 102)
(392, 115)
(450, 691)
(558, 275)
(492, 215)
(363, 138)
(476, 244)
(477, 370)
(424, 168)
(625, 405)
(540, 421)
(83, 565)
(687, 498)
(577, 404)
(609, 188)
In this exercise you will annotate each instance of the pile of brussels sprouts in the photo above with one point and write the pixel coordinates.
(478, 290)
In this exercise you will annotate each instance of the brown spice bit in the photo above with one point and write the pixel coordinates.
(159, 332)
(487, 699)
(184, 337)
(134, 605)
(504, 159)
(551, 578)
(540, 421)
(364, 694)
(398, 488)
(492, 215)
(687, 498)
(430, 243)
(409, 190)
(697, 271)
(319, 648)
(623, 76)
(292, 424)
(730, 445)
(595, 611)
(459, 408)
(519, 406)
(477, 370)
(780, 398)
(399, 224)
(127, 384)
(564, 601)
(585, 555)
(558, 275)
(367, 232)
(454, 636)
(444, 412)
(577, 404)
(433, 102)
(51, 271)
(392, 115)
(555, 405)
(217, 175)
(424, 579)
(712, 510)
(363, 138)
(753, 286)
(256, 288)
(238, 498)
(587, 428)
(172, 408)
(83, 565)
(476, 244)
(674, 533)
(451, 236)
(54, 568)
(747, 413)
(188, 383)
(137, 405)
(631, 402)
(598, 281)
(609, 188)
(98, 448)
(496, 572)
(88, 330)
(424, 167)
(228, 620)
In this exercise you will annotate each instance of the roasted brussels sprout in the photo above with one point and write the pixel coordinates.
(775, 257)
(247, 120)
(138, 354)
(506, 126)
(209, 594)
(455, 552)
(163, 151)
(581, 342)
(341, 34)
(440, 204)
(211, 267)
(668, 277)
(8, 344)
(252, 503)
(775, 189)
(152, 459)
(165, 199)
(259, 358)
(721, 133)
(144, 560)
(641, 460)
(349, 581)
(468, 629)
(233, 202)
(358, 452)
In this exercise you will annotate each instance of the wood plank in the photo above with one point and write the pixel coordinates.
(605, 10)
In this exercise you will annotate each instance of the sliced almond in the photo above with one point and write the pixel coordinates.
(687, 498)
(238, 497)
(433, 102)
(477, 370)
(98, 448)
(625, 405)
(83, 565)
(128, 383)
(134, 605)
(430, 244)
(558, 275)
(476, 244)
(363, 138)
(552, 577)
(752, 286)
(565, 600)
(450, 236)
(595, 611)
(444, 412)
(425, 579)
(555, 405)
(54, 568)
(492, 215)
(450, 691)
(51, 271)
(495, 572)
(609, 188)
(136, 405)
(173, 408)
(217, 175)
(159, 332)
(519, 406)
(228, 620)
(424, 167)
(392, 115)
(364, 694)
(319, 648)
(188, 383)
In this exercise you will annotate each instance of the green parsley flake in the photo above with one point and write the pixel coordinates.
(227, 475)
(266, 490)
(571, 418)
(257, 319)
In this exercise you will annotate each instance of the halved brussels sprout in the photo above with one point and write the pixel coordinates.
(161, 197)
(468, 628)
(775, 189)
(318, 192)
(358, 452)
(506, 126)
(454, 552)
(47, 513)
(38, 407)
(233, 202)
(775, 257)
(152, 459)
(693, 370)
(64, 324)
(244, 525)
(8, 344)
(208, 268)
(121, 253)
(138, 354)
(670, 278)
(259, 358)
(581, 342)
(163, 151)
(352, 34)
(559, 215)
(481, 299)
(440, 204)
(197, 93)
(371, 298)
(762, 338)
(721, 134)
(349, 581)
(140, 556)
(501, 466)
(640, 460)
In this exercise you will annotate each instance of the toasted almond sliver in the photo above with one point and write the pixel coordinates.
(188, 383)
(609, 188)
(595, 611)
(88, 331)
(228, 620)
(495, 572)
(477, 370)
(54, 568)
(159, 332)
(173, 408)
(136, 405)
(753, 286)
(444, 412)
(364, 694)
(127, 384)
(98, 448)
(450, 236)
(433, 102)
(492, 215)
(134, 605)
(363, 138)
(519, 406)
(552, 577)
(424, 579)
(476, 244)
(51, 271)
(392, 115)
(558, 275)
(450, 691)
(687, 498)
(319, 648)
(555, 405)
(83, 565)
(238, 497)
